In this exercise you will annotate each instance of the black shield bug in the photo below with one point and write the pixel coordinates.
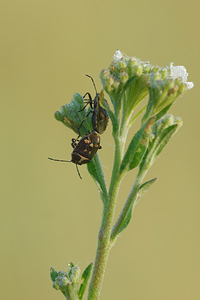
(99, 114)
(84, 150)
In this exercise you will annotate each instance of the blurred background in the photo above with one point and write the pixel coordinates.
(49, 217)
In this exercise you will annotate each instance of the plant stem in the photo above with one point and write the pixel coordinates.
(104, 243)
(104, 237)
(130, 200)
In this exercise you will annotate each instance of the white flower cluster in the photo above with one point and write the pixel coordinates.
(176, 71)
(180, 72)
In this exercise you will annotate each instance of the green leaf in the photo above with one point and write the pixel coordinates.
(127, 219)
(85, 278)
(95, 170)
(141, 191)
(144, 188)
(53, 274)
(137, 147)
(165, 137)
(132, 149)
(113, 119)
(163, 112)
(160, 140)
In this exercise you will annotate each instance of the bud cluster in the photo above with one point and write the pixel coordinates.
(128, 79)
(72, 114)
(161, 132)
(69, 282)
(66, 282)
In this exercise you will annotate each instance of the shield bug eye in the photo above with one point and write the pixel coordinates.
(99, 114)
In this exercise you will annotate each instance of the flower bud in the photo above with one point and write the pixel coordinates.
(124, 77)
(122, 65)
(128, 74)
(59, 116)
(146, 68)
(161, 124)
(164, 87)
(72, 114)
(74, 274)
(164, 72)
(63, 282)
(60, 279)
(162, 131)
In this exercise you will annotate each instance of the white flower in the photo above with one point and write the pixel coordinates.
(180, 72)
(117, 56)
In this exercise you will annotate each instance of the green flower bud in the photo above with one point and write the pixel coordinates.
(128, 74)
(63, 282)
(60, 279)
(155, 77)
(161, 124)
(164, 88)
(124, 77)
(164, 72)
(107, 80)
(72, 114)
(56, 286)
(59, 116)
(122, 65)
(182, 88)
(146, 68)
(75, 274)
(138, 70)
(162, 130)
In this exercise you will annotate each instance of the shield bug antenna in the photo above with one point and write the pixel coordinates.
(62, 160)
(90, 101)
(99, 114)
(84, 150)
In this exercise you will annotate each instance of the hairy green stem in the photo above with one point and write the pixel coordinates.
(104, 238)
(130, 200)
(104, 243)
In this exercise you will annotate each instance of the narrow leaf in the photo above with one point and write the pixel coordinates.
(85, 278)
(127, 219)
(95, 170)
(137, 147)
(158, 144)
(165, 137)
(163, 112)
(144, 188)
(141, 191)
(53, 274)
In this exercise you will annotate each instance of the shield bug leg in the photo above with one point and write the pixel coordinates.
(90, 101)
(63, 160)
(99, 114)
(78, 171)
(83, 122)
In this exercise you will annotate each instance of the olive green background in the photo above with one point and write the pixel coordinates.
(49, 217)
